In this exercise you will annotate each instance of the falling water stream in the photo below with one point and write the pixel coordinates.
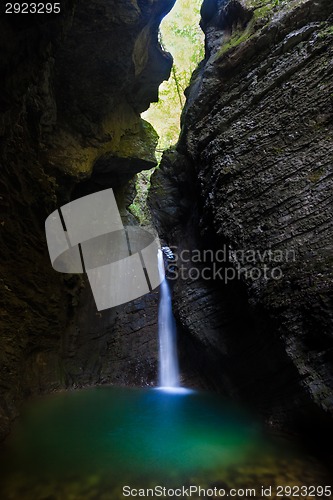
(88, 444)
(168, 356)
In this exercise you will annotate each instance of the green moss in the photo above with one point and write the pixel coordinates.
(139, 206)
(316, 175)
(328, 31)
(263, 11)
(237, 38)
(139, 143)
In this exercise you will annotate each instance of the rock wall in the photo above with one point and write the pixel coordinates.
(253, 173)
(72, 89)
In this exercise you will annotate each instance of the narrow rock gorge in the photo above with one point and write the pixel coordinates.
(251, 175)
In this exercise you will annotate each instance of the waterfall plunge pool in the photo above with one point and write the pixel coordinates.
(90, 443)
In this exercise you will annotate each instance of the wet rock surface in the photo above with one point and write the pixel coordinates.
(72, 88)
(115, 346)
(257, 145)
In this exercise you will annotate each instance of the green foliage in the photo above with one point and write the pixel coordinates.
(139, 207)
(182, 37)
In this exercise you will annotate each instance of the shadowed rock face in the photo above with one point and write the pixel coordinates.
(257, 143)
(72, 88)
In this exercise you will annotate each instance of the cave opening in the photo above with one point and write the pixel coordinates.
(180, 35)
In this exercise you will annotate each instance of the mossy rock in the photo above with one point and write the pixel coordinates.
(262, 13)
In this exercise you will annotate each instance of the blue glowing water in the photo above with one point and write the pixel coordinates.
(88, 444)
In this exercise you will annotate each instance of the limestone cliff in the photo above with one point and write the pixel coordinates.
(72, 89)
(253, 173)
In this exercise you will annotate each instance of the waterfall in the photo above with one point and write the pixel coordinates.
(168, 358)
